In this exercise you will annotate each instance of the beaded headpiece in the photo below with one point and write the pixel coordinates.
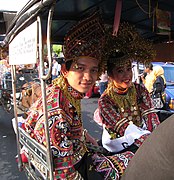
(127, 46)
(119, 59)
(85, 39)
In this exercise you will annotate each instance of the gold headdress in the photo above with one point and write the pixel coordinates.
(85, 39)
(127, 45)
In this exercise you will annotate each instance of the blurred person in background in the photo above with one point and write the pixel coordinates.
(158, 87)
(5, 70)
(103, 82)
(149, 79)
(56, 68)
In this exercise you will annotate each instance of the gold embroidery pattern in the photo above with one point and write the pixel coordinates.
(125, 102)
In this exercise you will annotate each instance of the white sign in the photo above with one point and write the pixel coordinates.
(23, 48)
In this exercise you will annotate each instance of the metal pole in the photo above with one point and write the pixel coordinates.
(44, 101)
(13, 73)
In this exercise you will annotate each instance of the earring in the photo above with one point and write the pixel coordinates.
(76, 66)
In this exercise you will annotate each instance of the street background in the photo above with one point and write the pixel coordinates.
(8, 166)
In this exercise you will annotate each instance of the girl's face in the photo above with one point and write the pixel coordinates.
(147, 70)
(82, 74)
(122, 76)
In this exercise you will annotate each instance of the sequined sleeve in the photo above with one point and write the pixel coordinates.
(148, 114)
(111, 118)
(150, 120)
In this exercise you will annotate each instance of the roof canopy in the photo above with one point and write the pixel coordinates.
(140, 13)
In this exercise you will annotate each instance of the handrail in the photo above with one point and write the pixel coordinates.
(50, 16)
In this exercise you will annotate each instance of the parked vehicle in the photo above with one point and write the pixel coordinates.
(169, 90)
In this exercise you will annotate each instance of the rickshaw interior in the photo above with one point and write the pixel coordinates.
(56, 18)
(142, 14)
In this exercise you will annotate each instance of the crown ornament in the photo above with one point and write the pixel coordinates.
(127, 45)
(86, 38)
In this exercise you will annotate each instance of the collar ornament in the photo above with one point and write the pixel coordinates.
(72, 95)
(125, 101)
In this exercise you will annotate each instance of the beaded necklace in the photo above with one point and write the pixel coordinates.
(73, 96)
(125, 101)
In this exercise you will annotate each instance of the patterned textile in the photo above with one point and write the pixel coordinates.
(157, 102)
(116, 118)
(112, 167)
(67, 139)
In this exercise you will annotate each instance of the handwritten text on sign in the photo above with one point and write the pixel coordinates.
(23, 48)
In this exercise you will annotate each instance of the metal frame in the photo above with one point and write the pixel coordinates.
(39, 157)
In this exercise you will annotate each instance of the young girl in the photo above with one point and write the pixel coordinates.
(125, 108)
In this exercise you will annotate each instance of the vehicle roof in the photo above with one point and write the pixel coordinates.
(164, 64)
(68, 12)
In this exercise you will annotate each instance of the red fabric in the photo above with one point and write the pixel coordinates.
(89, 93)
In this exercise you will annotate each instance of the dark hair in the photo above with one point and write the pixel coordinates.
(110, 67)
(68, 64)
(112, 59)
(149, 65)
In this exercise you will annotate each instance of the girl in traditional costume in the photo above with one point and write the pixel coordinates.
(83, 65)
(125, 108)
